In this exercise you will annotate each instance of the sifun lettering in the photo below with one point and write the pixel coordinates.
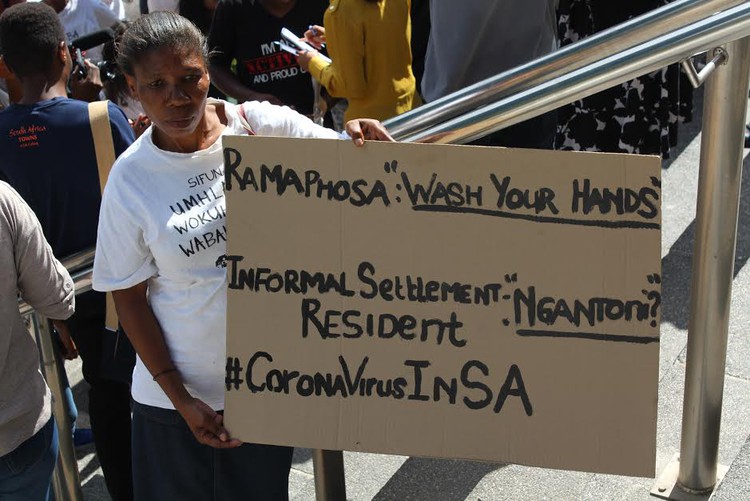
(514, 198)
(437, 192)
(310, 184)
(548, 310)
(205, 177)
(472, 388)
(622, 200)
(352, 324)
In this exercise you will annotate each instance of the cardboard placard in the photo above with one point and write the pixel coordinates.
(445, 301)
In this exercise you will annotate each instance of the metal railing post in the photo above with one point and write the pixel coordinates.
(724, 117)
(328, 469)
(66, 483)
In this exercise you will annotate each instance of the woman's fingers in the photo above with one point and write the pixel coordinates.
(207, 426)
(368, 129)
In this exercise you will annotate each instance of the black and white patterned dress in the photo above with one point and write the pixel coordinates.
(639, 116)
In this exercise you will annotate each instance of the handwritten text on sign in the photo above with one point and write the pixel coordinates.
(444, 301)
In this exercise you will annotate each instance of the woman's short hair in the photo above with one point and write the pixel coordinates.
(30, 36)
(155, 31)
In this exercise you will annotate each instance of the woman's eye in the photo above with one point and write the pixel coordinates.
(155, 84)
(192, 78)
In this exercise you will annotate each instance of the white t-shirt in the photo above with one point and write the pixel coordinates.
(83, 17)
(163, 220)
(168, 5)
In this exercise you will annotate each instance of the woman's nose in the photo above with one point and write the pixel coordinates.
(178, 94)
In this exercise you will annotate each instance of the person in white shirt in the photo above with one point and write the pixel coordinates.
(160, 244)
(83, 17)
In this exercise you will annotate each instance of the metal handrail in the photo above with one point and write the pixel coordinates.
(607, 71)
(619, 38)
(65, 479)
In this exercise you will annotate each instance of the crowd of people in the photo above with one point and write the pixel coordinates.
(178, 79)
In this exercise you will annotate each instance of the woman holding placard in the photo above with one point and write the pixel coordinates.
(166, 272)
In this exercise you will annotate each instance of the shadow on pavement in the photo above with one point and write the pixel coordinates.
(676, 266)
(435, 479)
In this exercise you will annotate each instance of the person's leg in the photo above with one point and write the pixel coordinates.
(109, 401)
(26, 472)
(537, 133)
(168, 462)
(253, 472)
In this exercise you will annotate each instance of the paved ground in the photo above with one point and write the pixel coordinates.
(371, 476)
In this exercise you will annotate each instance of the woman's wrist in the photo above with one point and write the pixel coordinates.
(171, 383)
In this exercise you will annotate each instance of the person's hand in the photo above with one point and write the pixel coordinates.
(304, 57)
(366, 129)
(206, 424)
(89, 87)
(140, 125)
(69, 348)
(315, 36)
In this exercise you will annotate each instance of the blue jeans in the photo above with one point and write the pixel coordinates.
(169, 464)
(26, 472)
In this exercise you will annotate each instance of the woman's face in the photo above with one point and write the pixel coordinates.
(172, 86)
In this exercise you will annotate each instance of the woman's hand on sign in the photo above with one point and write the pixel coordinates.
(367, 129)
(207, 424)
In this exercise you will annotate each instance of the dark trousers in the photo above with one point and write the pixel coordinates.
(537, 133)
(26, 472)
(109, 400)
(170, 464)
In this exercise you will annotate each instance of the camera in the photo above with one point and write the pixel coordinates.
(107, 69)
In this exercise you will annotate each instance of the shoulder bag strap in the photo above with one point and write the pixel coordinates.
(101, 131)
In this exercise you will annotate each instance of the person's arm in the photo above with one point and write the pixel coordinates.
(105, 18)
(43, 282)
(142, 328)
(222, 45)
(345, 76)
(227, 82)
(268, 120)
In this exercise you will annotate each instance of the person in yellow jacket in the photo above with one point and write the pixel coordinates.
(368, 41)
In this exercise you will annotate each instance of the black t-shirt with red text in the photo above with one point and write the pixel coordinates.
(245, 31)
